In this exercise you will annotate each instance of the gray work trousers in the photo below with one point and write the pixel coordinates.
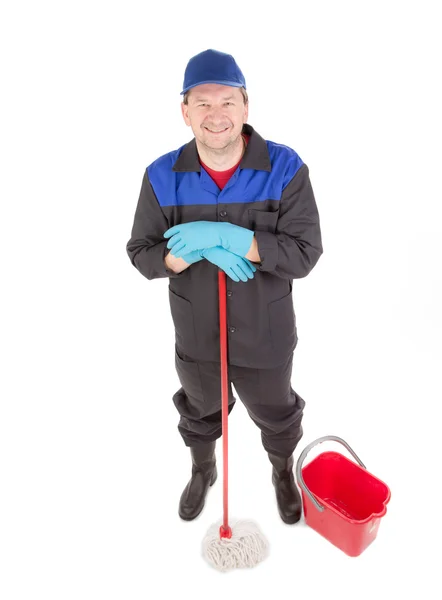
(266, 393)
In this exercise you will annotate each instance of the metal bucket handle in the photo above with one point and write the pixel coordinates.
(326, 438)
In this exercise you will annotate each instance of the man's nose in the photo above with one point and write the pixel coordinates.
(216, 113)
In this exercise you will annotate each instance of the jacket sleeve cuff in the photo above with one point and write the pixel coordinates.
(267, 250)
(150, 262)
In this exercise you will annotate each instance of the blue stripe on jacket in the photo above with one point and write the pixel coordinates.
(246, 185)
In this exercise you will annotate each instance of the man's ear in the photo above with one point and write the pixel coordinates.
(246, 112)
(185, 113)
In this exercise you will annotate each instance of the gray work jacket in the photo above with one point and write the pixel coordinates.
(269, 193)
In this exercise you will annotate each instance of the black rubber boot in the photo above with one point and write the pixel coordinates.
(204, 475)
(288, 497)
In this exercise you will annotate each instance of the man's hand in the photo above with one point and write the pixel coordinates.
(200, 235)
(234, 266)
(177, 265)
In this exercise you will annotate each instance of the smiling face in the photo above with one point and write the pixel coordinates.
(216, 113)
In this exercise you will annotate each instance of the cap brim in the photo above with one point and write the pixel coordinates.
(229, 83)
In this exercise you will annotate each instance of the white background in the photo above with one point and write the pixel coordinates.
(91, 463)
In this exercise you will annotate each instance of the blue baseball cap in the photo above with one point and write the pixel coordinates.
(212, 66)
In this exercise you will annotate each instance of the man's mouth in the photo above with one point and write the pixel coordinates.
(217, 131)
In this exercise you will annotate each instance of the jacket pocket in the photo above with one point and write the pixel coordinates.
(263, 220)
(283, 324)
(182, 315)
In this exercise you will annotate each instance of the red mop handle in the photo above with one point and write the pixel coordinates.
(224, 531)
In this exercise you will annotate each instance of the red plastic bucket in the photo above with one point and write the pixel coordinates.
(342, 500)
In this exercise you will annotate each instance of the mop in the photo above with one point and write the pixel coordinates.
(241, 545)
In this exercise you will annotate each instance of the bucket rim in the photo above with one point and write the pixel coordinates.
(314, 498)
(375, 515)
(342, 456)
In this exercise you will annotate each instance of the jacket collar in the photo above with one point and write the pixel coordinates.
(255, 157)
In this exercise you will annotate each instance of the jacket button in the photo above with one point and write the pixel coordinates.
(223, 213)
(232, 329)
(229, 293)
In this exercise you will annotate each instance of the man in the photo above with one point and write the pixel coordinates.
(229, 200)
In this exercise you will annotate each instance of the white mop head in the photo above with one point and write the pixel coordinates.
(246, 548)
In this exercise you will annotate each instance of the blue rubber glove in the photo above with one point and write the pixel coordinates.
(199, 235)
(234, 266)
